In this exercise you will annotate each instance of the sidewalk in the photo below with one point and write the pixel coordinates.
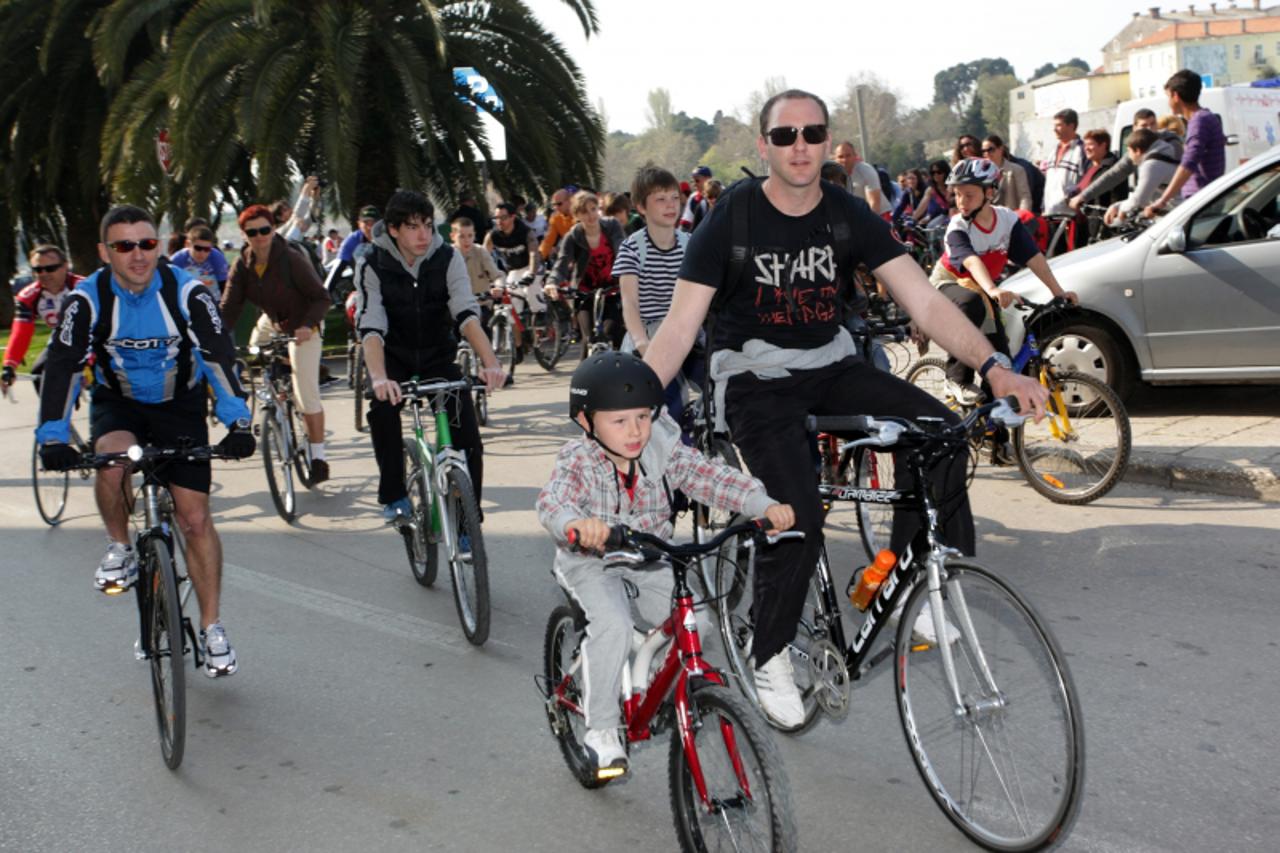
(1211, 439)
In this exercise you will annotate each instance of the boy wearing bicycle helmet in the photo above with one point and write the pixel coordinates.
(624, 471)
(980, 241)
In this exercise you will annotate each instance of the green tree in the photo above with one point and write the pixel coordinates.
(994, 91)
(361, 93)
(659, 110)
(956, 86)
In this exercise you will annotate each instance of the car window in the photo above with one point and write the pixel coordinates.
(1247, 211)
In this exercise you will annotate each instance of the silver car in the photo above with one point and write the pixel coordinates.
(1193, 299)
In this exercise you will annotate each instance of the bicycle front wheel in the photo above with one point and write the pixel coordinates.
(275, 458)
(166, 640)
(359, 382)
(1081, 448)
(1006, 765)
(549, 333)
(748, 798)
(300, 442)
(422, 548)
(930, 376)
(50, 488)
(467, 563)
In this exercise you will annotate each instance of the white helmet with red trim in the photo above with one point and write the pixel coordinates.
(977, 171)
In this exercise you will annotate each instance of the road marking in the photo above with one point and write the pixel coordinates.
(402, 625)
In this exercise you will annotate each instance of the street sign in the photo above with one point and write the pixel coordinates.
(164, 151)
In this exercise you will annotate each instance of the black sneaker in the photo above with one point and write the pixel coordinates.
(319, 471)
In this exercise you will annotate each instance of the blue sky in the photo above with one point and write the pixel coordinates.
(711, 54)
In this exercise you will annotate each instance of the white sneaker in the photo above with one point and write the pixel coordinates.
(923, 630)
(967, 394)
(776, 688)
(219, 657)
(118, 569)
(605, 746)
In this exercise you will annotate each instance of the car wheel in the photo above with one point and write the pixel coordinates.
(1093, 351)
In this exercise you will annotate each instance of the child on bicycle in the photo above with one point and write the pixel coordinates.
(980, 241)
(623, 471)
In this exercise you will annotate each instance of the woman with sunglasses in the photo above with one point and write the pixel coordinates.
(914, 184)
(278, 278)
(936, 205)
(1015, 188)
(966, 148)
(42, 298)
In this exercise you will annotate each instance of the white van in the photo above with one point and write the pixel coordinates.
(1250, 118)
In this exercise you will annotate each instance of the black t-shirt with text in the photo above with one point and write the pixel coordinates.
(793, 252)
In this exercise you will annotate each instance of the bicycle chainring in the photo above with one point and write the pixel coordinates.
(829, 677)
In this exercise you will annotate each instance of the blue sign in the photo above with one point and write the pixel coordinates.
(482, 94)
(1206, 80)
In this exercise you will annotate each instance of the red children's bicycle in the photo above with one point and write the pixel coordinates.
(728, 788)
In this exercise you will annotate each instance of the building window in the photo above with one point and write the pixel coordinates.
(1022, 95)
(1258, 57)
(1278, 48)
(1237, 51)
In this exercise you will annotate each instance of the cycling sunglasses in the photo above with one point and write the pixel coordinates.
(124, 247)
(47, 267)
(196, 247)
(257, 232)
(784, 136)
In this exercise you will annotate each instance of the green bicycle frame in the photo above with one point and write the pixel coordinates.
(444, 439)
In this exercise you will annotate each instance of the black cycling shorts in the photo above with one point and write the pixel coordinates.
(183, 419)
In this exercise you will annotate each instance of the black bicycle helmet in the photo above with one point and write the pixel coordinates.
(608, 381)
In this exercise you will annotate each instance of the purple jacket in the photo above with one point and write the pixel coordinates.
(1205, 155)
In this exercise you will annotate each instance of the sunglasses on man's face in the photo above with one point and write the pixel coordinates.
(257, 232)
(196, 247)
(46, 268)
(784, 136)
(124, 247)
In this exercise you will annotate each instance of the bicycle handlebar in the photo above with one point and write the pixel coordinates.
(637, 548)
(884, 432)
(417, 388)
(154, 455)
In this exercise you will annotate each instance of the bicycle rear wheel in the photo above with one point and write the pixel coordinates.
(1007, 767)
(874, 469)
(468, 564)
(422, 548)
(275, 458)
(166, 643)
(1080, 450)
(360, 382)
(562, 669)
(930, 375)
(50, 488)
(748, 804)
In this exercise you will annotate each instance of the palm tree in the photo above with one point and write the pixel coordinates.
(51, 111)
(361, 92)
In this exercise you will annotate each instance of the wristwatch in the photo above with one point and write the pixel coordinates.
(994, 359)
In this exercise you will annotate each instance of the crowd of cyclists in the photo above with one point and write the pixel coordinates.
(745, 291)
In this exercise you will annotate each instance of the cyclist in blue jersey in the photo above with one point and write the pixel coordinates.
(157, 338)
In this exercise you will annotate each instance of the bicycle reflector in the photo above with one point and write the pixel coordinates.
(610, 772)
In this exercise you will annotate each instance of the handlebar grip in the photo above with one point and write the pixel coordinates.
(838, 423)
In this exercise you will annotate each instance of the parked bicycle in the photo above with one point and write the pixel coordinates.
(286, 452)
(445, 512)
(728, 787)
(166, 633)
(986, 702)
(1081, 448)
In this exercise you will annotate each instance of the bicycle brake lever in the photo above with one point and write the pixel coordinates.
(775, 538)
(1006, 415)
(623, 559)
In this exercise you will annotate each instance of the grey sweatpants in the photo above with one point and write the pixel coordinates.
(602, 595)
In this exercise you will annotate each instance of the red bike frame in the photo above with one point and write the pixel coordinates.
(683, 659)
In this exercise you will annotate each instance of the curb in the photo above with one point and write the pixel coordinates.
(1173, 471)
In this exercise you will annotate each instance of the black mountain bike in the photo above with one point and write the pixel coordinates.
(165, 632)
(986, 702)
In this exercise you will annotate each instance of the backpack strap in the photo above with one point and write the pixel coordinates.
(172, 297)
(102, 327)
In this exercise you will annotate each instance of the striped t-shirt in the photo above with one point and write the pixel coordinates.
(658, 276)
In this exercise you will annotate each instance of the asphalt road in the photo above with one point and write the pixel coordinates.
(361, 720)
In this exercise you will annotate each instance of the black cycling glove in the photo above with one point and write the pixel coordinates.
(238, 444)
(56, 456)
(8, 374)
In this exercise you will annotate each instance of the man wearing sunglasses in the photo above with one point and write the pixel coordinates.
(772, 274)
(201, 259)
(42, 298)
(157, 338)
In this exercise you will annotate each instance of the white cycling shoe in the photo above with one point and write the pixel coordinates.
(777, 691)
(118, 569)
